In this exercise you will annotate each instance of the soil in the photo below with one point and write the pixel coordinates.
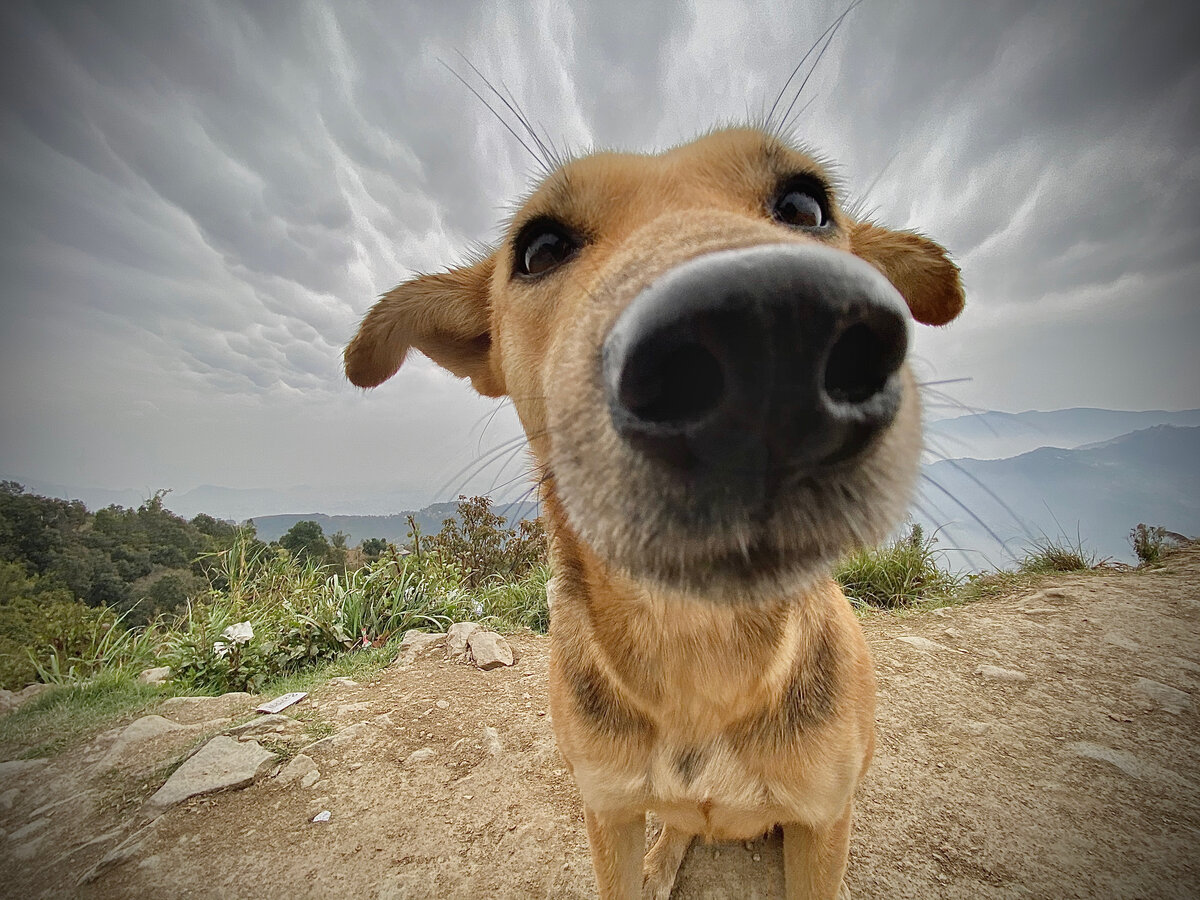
(1079, 779)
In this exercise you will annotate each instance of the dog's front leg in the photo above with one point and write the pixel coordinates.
(814, 859)
(617, 842)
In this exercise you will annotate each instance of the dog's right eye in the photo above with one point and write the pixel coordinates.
(543, 245)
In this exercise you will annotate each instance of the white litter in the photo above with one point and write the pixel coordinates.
(323, 816)
(281, 703)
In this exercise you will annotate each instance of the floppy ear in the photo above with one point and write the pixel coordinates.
(919, 268)
(445, 316)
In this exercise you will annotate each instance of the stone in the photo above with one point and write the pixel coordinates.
(29, 829)
(921, 643)
(340, 739)
(489, 650)
(456, 639)
(1126, 762)
(198, 710)
(1171, 699)
(419, 756)
(344, 681)
(416, 644)
(491, 741)
(13, 769)
(221, 764)
(442, 704)
(8, 798)
(138, 732)
(998, 673)
(275, 723)
(11, 700)
(300, 767)
(1119, 640)
(156, 675)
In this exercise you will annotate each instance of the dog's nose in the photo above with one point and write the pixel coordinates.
(771, 359)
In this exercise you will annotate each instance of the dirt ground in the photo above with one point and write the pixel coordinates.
(1080, 779)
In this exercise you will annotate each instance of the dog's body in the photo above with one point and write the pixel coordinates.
(712, 379)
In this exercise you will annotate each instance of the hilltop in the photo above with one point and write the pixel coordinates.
(1041, 744)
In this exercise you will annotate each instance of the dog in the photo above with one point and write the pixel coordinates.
(707, 354)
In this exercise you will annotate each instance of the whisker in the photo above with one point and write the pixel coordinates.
(783, 90)
(494, 112)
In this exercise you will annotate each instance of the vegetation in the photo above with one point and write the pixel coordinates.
(1148, 542)
(902, 573)
(1057, 555)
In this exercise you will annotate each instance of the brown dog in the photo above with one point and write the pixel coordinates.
(707, 355)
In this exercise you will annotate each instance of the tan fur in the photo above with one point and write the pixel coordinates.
(728, 709)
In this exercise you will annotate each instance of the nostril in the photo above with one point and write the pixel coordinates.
(678, 386)
(861, 361)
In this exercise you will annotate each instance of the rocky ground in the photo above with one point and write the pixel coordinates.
(1043, 745)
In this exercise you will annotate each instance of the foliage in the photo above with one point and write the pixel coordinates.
(477, 543)
(1057, 555)
(902, 573)
(306, 540)
(1148, 542)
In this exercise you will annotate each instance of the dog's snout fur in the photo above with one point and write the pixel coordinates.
(706, 353)
(741, 366)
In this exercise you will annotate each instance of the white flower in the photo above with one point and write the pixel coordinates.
(241, 633)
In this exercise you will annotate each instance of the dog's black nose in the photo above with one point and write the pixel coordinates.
(771, 359)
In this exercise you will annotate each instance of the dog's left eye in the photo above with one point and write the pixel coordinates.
(543, 245)
(801, 205)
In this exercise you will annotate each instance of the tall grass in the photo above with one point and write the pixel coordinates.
(901, 573)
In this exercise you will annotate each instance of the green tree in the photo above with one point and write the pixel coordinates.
(306, 540)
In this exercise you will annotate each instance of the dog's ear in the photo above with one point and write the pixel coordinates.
(919, 268)
(445, 316)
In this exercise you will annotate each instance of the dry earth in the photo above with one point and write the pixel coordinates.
(1079, 777)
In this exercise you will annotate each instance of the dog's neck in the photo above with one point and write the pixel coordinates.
(701, 663)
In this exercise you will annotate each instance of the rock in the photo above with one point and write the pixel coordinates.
(341, 738)
(1126, 762)
(456, 639)
(417, 644)
(300, 768)
(8, 798)
(157, 675)
(1119, 640)
(29, 829)
(952, 633)
(197, 710)
(221, 764)
(11, 700)
(13, 769)
(491, 741)
(419, 756)
(997, 673)
(1050, 595)
(921, 643)
(489, 650)
(137, 732)
(1040, 610)
(442, 704)
(275, 723)
(1171, 699)
(344, 681)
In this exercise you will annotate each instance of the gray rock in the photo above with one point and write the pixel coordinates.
(221, 764)
(157, 675)
(456, 639)
(491, 741)
(133, 735)
(1171, 699)
(417, 644)
(340, 739)
(275, 723)
(489, 650)
(301, 767)
(198, 710)
(8, 798)
(419, 756)
(1126, 762)
(11, 700)
(921, 643)
(16, 768)
(29, 829)
(997, 673)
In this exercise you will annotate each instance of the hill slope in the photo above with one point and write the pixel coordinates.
(1078, 776)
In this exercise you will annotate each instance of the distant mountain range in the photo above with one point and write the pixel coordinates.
(1098, 491)
(994, 483)
(394, 528)
(998, 435)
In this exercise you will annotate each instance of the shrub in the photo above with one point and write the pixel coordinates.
(1148, 542)
(901, 573)
(1048, 555)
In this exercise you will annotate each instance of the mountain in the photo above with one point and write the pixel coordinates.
(393, 528)
(997, 435)
(1097, 491)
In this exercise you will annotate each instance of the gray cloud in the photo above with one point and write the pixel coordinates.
(201, 200)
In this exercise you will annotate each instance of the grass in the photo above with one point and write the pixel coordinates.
(901, 574)
(1057, 555)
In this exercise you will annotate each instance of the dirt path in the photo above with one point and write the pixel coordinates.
(1077, 777)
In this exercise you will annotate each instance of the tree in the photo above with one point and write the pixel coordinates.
(306, 540)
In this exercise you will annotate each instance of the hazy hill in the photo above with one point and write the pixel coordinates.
(996, 435)
(392, 528)
(1100, 490)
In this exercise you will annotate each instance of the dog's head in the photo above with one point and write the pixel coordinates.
(706, 353)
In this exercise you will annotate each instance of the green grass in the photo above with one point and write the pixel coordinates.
(1057, 555)
(901, 574)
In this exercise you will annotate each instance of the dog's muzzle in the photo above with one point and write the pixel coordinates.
(742, 367)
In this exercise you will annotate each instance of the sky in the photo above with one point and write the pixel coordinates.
(201, 200)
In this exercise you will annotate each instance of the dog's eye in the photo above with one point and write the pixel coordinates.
(801, 204)
(543, 245)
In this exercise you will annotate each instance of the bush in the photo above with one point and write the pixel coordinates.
(1060, 555)
(1148, 542)
(902, 573)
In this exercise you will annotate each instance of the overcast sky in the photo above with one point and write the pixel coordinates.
(202, 199)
